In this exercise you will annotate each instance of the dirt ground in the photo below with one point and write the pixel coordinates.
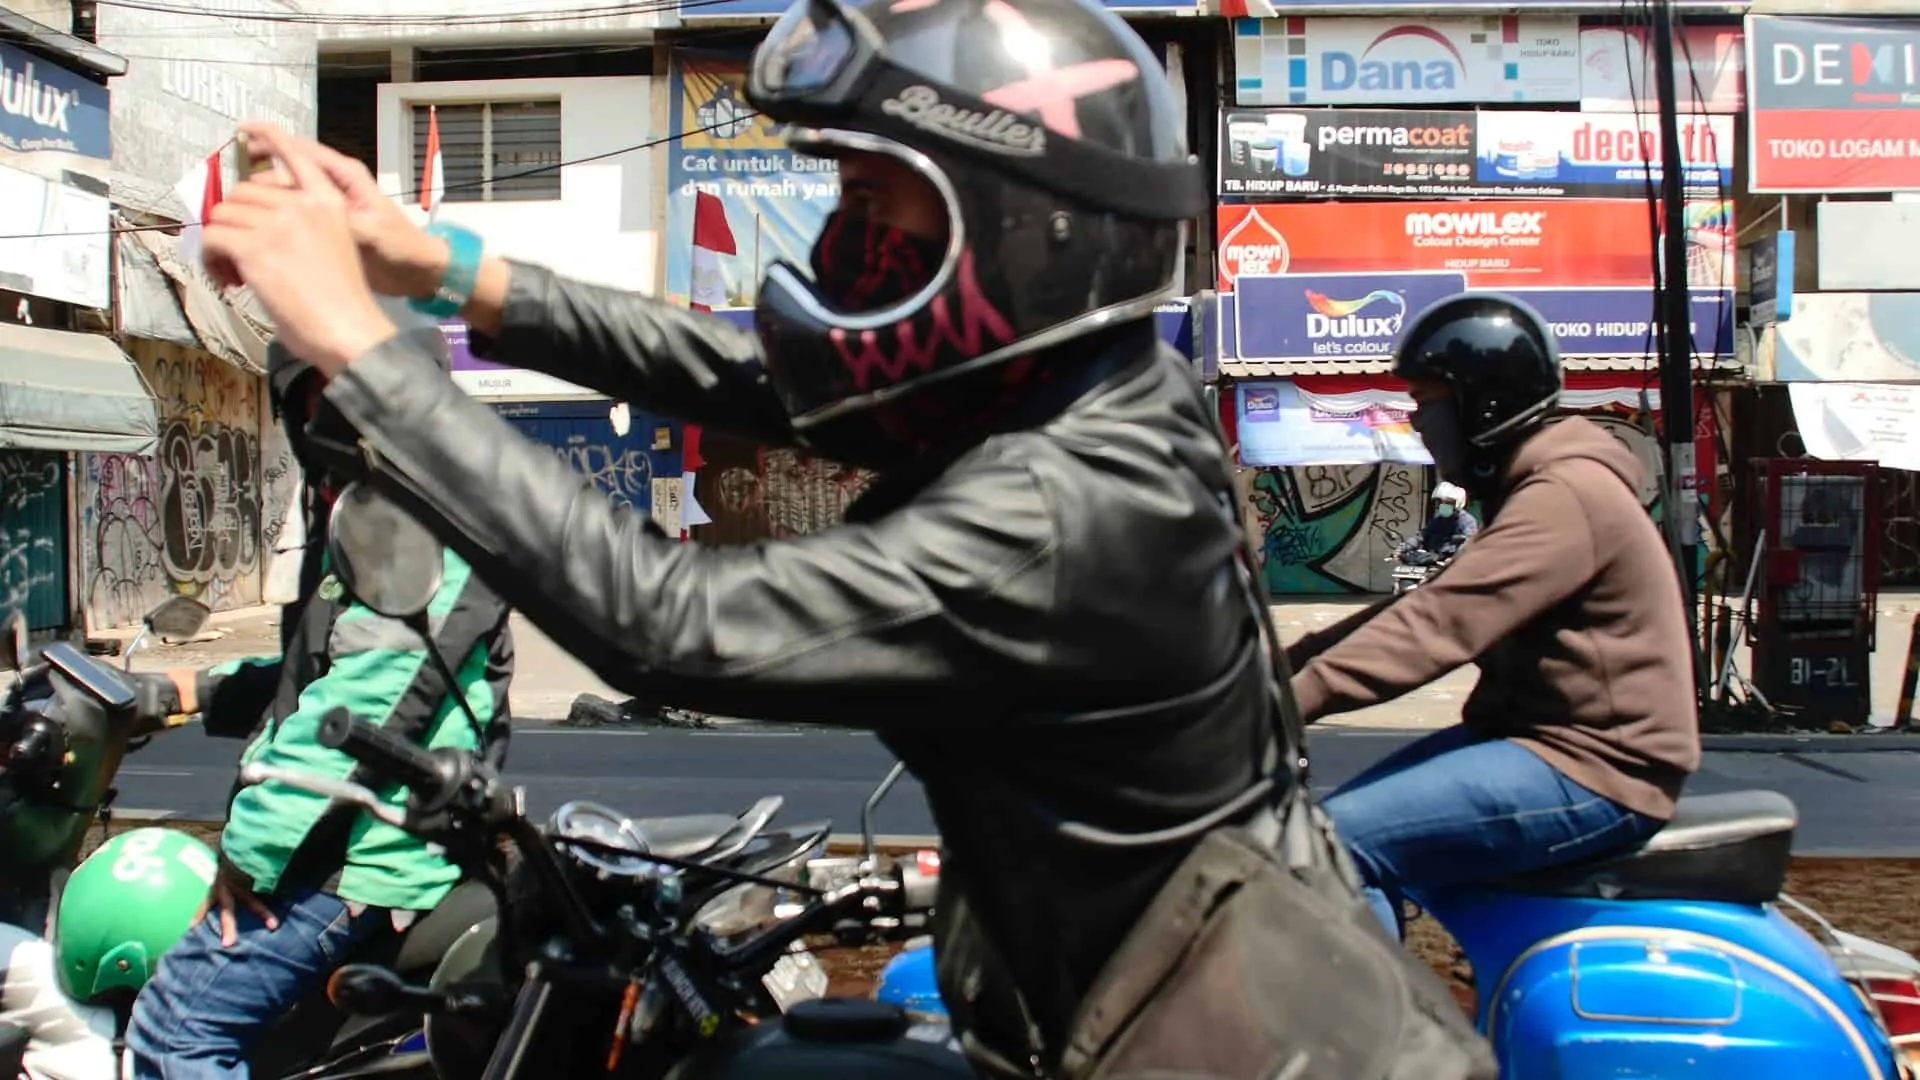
(1879, 899)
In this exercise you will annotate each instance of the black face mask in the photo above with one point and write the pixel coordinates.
(861, 265)
(1438, 423)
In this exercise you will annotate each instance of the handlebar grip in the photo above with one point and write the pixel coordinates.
(387, 754)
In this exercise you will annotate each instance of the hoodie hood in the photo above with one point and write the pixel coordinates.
(1567, 439)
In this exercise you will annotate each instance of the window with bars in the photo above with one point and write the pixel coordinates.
(495, 151)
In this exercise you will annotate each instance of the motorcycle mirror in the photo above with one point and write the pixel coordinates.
(177, 618)
(873, 804)
(14, 641)
(391, 562)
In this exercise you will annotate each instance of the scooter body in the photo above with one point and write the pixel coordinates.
(1573, 988)
(1667, 960)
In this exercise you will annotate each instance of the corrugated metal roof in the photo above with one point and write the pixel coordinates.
(1244, 369)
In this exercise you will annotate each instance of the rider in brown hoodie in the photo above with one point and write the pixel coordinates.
(1582, 729)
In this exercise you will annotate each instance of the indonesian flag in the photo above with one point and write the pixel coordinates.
(690, 461)
(200, 191)
(433, 180)
(712, 238)
(1248, 9)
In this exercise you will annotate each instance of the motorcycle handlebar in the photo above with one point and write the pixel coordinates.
(386, 753)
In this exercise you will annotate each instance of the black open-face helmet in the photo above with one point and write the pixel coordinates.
(1496, 355)
(1052, 136)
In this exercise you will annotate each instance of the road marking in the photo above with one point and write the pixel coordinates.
(748, 734)
(139, 814)
(134, 770)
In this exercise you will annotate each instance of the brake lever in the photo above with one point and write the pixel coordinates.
(345, 790)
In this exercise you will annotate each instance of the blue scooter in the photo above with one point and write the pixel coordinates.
(1671, 959)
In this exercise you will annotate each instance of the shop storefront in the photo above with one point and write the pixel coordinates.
(1372, 166)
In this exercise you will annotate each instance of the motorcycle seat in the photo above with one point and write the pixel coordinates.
(686, 836)
(1733, 848)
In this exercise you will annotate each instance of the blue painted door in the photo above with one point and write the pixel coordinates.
(33, 530)
(623, 466)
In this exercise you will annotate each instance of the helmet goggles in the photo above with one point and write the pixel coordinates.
(824, 63)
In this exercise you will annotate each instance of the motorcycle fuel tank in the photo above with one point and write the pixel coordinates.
(833, 1039)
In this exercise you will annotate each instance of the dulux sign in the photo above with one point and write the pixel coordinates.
(46, 107)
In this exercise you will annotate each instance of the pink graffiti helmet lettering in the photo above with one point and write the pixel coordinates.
(1049, 138)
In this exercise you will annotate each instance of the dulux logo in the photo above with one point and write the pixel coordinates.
(22, 94)
(1345, 71)
(1344, 318)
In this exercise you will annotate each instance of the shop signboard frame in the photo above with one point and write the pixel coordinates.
(1826, 108)
(1445, 153)
(1586, 265)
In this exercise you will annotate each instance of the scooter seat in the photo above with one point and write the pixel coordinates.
(686, 836)
(1732, 848)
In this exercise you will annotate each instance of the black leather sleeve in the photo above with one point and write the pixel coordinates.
(863, 624)
(686, 364)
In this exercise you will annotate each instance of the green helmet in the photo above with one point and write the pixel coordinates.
(126, 905)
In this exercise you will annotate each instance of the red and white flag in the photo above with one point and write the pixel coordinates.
(433, 177)
(712, 238)
(691, 513)
(1248, 9)
(200, 191)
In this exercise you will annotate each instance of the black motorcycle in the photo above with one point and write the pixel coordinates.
(625, 949)
(66, 723)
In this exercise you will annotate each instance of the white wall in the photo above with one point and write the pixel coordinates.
(604, 226)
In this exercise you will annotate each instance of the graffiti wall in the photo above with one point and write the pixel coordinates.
(581, 432)
(190, 519)
(33, 519)
(1331, 528)
(754, 493)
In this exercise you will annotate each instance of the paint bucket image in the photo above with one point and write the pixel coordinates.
(1296, 157)
(1240, 137)
(1287, 127)
(1522, 158)
(1264, 153)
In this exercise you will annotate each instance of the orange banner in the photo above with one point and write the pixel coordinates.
(1565, 243)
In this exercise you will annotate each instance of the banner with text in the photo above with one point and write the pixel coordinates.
(1406, 61)
(1616, 62)
(775, 200)
(1831, 104)
(1278, 425)
(1432, 153)
(1859, 421)
(1319, 282)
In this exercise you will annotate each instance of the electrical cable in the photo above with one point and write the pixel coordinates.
(412, 193)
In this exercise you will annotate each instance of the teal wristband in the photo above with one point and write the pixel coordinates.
(463, 272)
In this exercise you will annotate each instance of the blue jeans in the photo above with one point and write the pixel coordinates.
(1456, 809)
(199, 1014)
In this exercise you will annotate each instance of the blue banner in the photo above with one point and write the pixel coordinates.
(1319, 318)
(43, 106)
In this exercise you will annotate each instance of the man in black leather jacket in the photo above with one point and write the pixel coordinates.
(1035, 607)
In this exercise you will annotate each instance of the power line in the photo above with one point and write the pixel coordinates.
(642, 7)
(415, 192)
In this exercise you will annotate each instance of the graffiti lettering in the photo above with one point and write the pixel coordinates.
(32, 522)
(626, 476)
(210, 504)
(806, 494)
(189, 519)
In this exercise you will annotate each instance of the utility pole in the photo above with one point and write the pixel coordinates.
(1674, 309)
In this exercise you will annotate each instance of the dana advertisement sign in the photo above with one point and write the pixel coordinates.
(1360, 61)
(1834, 104)
(1320, 282)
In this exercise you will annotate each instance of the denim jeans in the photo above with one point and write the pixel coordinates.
(198, 1016)
(1455, 809)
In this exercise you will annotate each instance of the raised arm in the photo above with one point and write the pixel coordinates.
(689, 365)
(863, 624)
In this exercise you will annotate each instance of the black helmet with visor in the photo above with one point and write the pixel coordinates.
(1057, 147)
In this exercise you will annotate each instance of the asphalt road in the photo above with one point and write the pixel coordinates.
(1864, 804)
